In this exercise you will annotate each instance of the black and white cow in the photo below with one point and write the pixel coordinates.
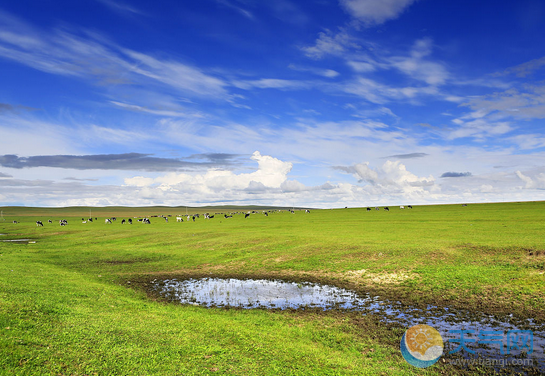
(50, 221)
(122, 221)
(130, 221)
(246, 215)
(108, 221)
(368, 209)
(387, 208)
(39, 224)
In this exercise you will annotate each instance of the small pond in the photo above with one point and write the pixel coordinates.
(275, 294)
(19, 241)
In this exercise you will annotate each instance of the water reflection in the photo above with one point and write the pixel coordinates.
(274, 294)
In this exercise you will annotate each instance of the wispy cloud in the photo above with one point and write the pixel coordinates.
(2, 175)
(95, 58)
(120, 7)
(127, 161)
(330, 43)
(407, 156)
(6, 107)
(455, 174)
(374, 12)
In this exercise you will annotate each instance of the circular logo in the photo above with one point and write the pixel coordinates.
(421, 346)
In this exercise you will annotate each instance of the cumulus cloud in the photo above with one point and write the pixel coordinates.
(374, 12)
(390, 174)
(271, 173)
(538, 181)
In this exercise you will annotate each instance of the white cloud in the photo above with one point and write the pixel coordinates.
(94, 57)
(389, 174)
(374, 12)
(271, 173)
(329, 43)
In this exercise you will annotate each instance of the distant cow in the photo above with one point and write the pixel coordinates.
(108, 221)
(227, 216)
(410, 207)
(246, 215)
(63, 222)
(130, 221)
(368, 209)
(179, 219)
(122, 221)
(402, 207)
(39, 224)
(50, 221)
(307, 211)
(387, 208)
(266, 214)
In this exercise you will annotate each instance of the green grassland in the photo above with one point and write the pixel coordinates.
(76, 301)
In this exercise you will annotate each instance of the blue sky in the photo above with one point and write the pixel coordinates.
(324, 103)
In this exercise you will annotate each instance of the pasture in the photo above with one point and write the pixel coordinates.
(77, 301)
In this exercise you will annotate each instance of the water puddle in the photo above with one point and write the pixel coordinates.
(19, 241)
(274, 294)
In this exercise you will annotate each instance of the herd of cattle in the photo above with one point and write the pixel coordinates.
(179, 218)
(192, 217)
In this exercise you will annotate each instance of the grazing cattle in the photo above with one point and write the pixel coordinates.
(50, 221)
(39, 224)
(377, 208)
(179, 219)
(63, 222)
(368, 209)
(123, 222)
(307, 211)
(228, 216)
(410, 207)
(402, 207)
(90, 219)
(166, 219)
(108, 220)
(84, 222)
(146, 221)
(188, 218)
(387, 209)
(114, 219)
(193, 218)
(130, 221)
(266, 214)
(15, 222)
(246, 215)
(464, 204)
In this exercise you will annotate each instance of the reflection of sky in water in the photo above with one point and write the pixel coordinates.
(262, 293)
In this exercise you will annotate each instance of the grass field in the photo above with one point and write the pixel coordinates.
(75, 302)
